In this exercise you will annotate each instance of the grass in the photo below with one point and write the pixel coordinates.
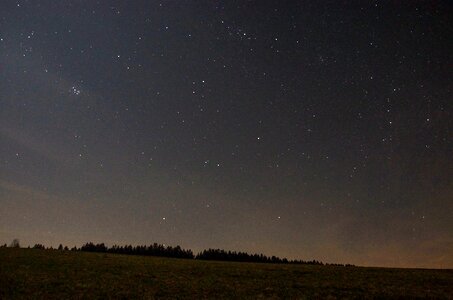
(52, 274)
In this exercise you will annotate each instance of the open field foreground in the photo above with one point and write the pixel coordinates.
(52, 274)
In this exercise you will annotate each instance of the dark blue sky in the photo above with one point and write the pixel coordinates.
(293, 128)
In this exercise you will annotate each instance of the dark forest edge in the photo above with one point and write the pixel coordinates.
(161, 250)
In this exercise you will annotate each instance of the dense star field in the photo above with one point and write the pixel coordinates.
(303, 129)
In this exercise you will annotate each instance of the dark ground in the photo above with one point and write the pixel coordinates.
(52, 274)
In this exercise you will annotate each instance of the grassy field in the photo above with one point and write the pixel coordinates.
(51, 274)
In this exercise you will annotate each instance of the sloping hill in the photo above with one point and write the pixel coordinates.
(52, 274)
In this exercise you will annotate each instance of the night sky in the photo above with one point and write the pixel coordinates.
(303, 129)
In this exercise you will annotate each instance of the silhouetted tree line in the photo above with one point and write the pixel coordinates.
(218, 254)
(151, 250)
(178, 252)
(39, 246)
